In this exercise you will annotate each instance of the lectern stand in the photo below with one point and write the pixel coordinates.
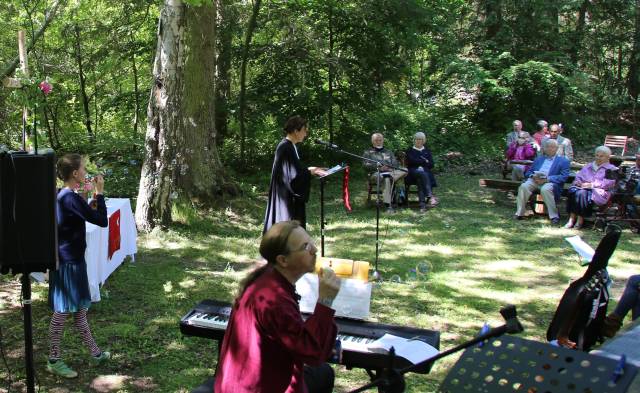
(323, 179)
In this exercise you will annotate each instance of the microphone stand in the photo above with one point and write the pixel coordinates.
(376, 273)
(393, 380)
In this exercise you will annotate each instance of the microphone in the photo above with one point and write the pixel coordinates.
(327, 144)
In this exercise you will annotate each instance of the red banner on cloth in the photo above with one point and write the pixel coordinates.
(345, 189)
(114, 233)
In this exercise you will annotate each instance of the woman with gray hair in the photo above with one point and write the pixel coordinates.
(420, 163)
(591, 186)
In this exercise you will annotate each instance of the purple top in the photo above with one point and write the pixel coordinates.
(521, 152)
(601, 187)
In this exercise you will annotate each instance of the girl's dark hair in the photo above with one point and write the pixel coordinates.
(295, 123)
(274, 242)
(67, 164)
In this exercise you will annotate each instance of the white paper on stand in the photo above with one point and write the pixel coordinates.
(353, 300)
(414, 351)
(583, 249)
(333, 170)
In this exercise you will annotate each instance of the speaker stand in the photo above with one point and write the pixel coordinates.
(28, 331)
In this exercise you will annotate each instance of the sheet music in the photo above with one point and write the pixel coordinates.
(333, 170)
(583, 249)
(353, 300)
(414, 351)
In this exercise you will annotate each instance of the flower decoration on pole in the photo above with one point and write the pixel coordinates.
(33, 91)
(45, 87)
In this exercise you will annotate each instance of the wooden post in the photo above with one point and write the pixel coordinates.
(24, 66)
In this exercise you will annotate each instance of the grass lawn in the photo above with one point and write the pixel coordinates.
(481, 259)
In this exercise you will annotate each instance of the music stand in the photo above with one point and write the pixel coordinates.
(513, 364)
(323, 179)
(376, 272)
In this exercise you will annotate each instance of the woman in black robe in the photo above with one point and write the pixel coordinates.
(290, 181)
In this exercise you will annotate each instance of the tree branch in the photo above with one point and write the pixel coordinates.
(8, 70)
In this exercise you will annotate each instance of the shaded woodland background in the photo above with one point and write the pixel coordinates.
(459, 70)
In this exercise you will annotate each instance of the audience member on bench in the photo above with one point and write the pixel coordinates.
(547, 174)
(590, 187)
(521, 149)
(541, 133)
(629, 301)
(518, 132)
(564, 144)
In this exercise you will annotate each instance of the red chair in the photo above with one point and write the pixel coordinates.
(617, 141)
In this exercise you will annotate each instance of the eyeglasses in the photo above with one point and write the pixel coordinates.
(308, 246)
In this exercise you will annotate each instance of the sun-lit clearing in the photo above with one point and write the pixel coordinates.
(109, 383)
(176, 346)
(231, 255)
(187, 283)
(167, 286)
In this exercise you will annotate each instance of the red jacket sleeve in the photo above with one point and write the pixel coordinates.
(310, 341)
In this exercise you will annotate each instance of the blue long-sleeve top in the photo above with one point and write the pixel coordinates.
(73, 212)
(419, 158)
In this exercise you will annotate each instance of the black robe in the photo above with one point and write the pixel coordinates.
(289, 188)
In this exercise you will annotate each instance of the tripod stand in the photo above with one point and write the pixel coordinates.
(379, 164)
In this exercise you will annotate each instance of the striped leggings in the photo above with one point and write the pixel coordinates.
(56, 328)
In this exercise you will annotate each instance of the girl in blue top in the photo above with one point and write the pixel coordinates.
(69, 285)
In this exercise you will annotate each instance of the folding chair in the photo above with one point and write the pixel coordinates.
(617, 141)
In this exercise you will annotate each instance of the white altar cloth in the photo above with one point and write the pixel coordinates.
(99, 265)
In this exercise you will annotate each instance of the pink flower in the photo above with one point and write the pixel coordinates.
(45, 87)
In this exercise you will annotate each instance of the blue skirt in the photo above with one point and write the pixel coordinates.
(69, 287)
(579, 201)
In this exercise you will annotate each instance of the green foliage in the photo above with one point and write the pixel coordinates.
(538, 91)
(395, 66)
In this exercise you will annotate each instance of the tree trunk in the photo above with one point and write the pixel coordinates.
(579, 33)
(243, 74)
(493, 15)
(181, 157)
(83, 87)
(136, 95)
(223, 64)
(632, 82)
(330, 103)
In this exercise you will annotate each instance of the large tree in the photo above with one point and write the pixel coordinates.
(181, 157)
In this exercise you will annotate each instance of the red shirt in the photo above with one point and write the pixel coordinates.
(267, 343)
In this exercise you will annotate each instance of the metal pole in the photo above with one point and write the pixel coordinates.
(28, 329)
(322, 217)
(376, 272)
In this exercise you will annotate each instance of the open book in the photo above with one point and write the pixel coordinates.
(353, 300)
(584, 250)
(333, 170)
(413, 350)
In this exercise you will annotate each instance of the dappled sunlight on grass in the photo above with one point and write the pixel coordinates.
(109, 383)
(481, 260)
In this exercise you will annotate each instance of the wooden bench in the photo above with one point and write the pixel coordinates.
(536, 202)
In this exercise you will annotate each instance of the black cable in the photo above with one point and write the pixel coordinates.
(6, 364)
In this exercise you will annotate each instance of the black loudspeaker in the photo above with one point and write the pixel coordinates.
(28, 229)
